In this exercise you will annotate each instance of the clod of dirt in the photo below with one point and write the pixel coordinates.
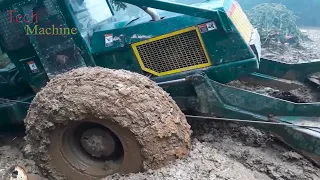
(292, 156)
(130, 100)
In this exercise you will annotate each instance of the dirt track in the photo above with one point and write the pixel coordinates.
(219, 151)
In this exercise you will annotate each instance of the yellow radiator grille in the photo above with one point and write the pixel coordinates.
(172, 53)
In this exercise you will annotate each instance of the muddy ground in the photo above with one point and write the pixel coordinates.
(309, 49)
(219, 151)
(10, 153)
(229, 151)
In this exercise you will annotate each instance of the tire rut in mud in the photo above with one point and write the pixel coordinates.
(256, 150)
(225, 151)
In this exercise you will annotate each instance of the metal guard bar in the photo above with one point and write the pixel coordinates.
(224, 101)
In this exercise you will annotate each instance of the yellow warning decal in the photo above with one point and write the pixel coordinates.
(240, 21)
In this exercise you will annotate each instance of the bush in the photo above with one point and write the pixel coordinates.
(306, 10)
(274, 22)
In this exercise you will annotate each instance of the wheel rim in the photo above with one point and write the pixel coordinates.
(98, 142)
(94, 146)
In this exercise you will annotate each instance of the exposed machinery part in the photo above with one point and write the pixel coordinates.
(93, 122)
(16, 173)
(19, 173)
(152, 12)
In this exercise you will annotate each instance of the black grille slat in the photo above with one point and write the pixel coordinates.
(50, 7)
(174, 52)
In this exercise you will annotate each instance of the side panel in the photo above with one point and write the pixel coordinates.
(16, 45)
(227, 52)
(51, 37)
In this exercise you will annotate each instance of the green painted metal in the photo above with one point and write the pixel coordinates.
(210, 10)
(227, 47)
(291, 71)
(48, 47)
(23, 54)
(231, 48)
(228, 53)
(6, 4)
(286, 76)
(139, 30)
(12, 83)
(220, 73)
(13, 112)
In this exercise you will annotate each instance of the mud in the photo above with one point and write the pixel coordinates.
(260, 151)
(128, 99)
(11, 145)
(229, 151)
(300, 95)
(309, 49)
(224, 152)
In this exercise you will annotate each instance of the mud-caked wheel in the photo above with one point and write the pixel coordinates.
(93, 122)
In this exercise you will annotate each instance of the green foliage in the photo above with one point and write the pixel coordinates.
(307, 10)
(117, 5)
(274, 21)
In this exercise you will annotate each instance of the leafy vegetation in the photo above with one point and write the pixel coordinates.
(117, 5)
(307, 10)
(275, 23)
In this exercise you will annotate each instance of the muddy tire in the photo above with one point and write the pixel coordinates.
(93, 122)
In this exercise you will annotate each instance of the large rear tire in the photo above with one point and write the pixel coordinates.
(93, 122)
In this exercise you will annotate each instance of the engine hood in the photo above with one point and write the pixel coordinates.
(124, 21)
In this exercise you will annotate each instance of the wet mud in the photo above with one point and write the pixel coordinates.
(226, 151)
(303, 94)
(11, 145)
(309, 49)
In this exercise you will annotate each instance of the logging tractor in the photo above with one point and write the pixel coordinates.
(102, 90)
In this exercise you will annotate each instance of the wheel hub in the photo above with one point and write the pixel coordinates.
(98, 142)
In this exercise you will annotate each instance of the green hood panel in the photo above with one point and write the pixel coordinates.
(142, 28)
